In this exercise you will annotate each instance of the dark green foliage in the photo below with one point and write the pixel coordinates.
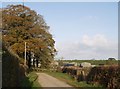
(12, 71)
(108, 76)
(31, 81)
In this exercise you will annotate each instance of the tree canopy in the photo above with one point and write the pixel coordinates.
(20, 24)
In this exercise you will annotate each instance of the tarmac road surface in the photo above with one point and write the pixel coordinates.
(46, 80)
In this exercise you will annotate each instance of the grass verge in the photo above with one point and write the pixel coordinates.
(31, 81)
(71, 81)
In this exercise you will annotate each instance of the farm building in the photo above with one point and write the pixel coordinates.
(85, 64)
(55, 63)
(70, 64)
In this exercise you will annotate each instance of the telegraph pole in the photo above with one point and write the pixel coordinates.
(25, 54)
(23, 4)
(25, 43)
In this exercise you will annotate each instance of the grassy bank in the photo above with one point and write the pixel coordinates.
(71, 81)
(31, 81)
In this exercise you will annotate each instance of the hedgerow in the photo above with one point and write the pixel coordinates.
(107, 76)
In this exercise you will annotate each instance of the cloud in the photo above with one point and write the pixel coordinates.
(97, 46)
(95, 41)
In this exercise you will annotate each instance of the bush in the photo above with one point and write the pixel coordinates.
(13, 72)
(108, 76)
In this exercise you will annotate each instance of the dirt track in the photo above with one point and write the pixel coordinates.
(46, 80)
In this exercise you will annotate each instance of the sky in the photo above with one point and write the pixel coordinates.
(81, 30)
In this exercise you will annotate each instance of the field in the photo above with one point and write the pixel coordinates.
(93, 62)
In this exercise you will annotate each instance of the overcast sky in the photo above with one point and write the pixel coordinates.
(83, 30)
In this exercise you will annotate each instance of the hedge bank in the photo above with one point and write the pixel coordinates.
(13, 71)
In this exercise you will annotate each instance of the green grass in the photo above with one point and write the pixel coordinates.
(31, 81)
(71, 81)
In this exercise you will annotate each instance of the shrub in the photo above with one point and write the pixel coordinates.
(108, 76)
(13, 72)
